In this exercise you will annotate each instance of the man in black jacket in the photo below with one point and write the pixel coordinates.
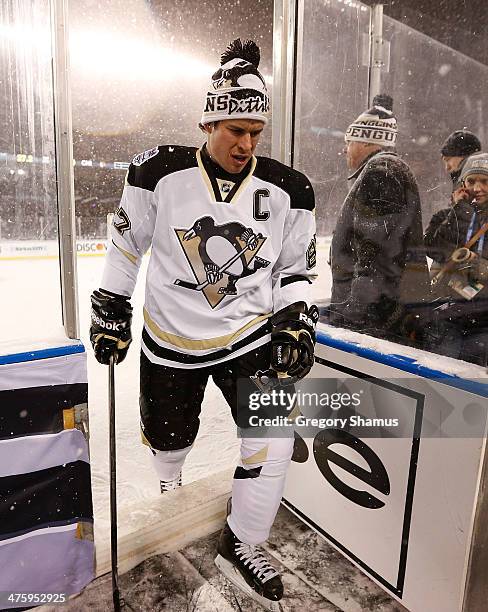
(459, 326)
(456, 149)
(379, 269)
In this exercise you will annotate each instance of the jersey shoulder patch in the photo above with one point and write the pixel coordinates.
(149, 167)
(295, 183)
(140, 158)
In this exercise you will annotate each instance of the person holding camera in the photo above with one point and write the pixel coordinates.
(456, 241)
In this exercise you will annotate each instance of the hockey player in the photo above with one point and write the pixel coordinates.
(232, 241)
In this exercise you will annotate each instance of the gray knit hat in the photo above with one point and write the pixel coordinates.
(476, 164)
(238, 90)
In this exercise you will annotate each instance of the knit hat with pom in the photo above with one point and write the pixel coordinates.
(377, 125)
(238, 90)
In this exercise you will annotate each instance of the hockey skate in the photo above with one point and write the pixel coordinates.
(170, 485)
(249, 570)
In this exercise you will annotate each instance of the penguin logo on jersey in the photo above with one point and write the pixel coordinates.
(219, 255)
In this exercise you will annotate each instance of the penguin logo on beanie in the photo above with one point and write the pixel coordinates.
(238, 89)
(239, 67)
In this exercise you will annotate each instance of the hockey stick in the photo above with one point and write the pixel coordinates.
(113, 484)
(223, 268)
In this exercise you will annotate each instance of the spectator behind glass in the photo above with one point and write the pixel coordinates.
(456, 240)
(379, 269)
(456, 149)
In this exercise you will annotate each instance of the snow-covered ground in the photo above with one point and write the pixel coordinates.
(30, 312)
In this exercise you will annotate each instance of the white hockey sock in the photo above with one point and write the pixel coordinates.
(168, 464)
(258, 486)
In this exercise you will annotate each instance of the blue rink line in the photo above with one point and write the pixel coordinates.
(58, 351)
(402, 362)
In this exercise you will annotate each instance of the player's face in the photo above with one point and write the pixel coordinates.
(231, 143)
(477, 185)
(451, 164)
(356, 153)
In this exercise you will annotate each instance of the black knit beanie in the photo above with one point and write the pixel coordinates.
(461, 143)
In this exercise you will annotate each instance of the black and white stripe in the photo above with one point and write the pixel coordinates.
(37, 410)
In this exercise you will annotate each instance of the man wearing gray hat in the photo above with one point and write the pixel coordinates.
(458, 244)
(379, 269)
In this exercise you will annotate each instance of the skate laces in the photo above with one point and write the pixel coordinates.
(170, 485)
(255, 559)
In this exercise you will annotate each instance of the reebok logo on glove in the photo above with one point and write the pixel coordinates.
(110, 334)
(307, 320)
(109, 325)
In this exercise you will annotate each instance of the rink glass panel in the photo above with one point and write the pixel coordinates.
(333, 92)
(28, 204)
(437, 90)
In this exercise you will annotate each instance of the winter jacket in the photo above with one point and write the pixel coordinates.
(457, 173)
(379, 267)
(447, 231)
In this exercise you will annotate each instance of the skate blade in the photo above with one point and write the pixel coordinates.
(234, 576)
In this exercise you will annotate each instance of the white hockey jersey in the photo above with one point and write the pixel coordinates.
(227, 251)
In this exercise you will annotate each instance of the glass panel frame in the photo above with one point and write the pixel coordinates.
(28, 203)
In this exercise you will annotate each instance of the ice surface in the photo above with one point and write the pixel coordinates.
(31, 304)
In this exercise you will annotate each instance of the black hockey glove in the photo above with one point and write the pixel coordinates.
(293, 339)
(111, 316)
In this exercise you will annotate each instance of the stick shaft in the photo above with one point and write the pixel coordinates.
(113, 485)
